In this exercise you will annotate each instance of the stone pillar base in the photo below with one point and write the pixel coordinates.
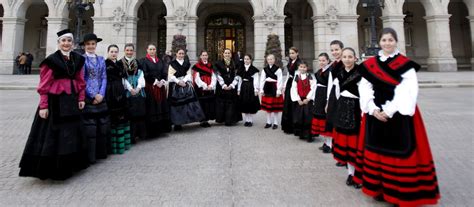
(7, 67)
(442, 64)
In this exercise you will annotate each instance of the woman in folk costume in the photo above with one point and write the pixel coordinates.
(249, 103)
(302, 94)
(135, 92)
(185, 106)
(226, 90)
(157, 108)
(116, 99)
(287, 115)
(318, 124)
(336, 67)
(348, 116)
(56, 146)
(205, 84)
(271, 85)
(397, 165)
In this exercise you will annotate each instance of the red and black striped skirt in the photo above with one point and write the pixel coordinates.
(345, 147)
(272, 104)
(409, 181)
(318, 126)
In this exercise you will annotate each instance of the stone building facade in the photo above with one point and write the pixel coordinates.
(435, 33)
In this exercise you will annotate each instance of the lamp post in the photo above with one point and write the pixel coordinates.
(80, 7)
(372, 6)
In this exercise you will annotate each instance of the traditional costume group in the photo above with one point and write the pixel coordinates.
(390, 160)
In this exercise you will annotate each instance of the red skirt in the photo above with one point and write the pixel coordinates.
(318, 126)
(159, 94)
(272, 104)
(345, 147)
(407, 181)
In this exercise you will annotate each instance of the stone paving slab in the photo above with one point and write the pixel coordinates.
(230, 166)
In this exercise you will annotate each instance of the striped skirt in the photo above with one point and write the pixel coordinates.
(272, 104)
(405, 181)
(120, 138)
(318, 127)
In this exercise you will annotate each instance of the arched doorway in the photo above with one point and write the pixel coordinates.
(299, 28)
(224, 31)
(232, 26)
(416, 32)
(35, 36)
(364, 28)
(151, 27)
(460, 34)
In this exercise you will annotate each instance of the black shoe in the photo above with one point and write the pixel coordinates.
(323, 147)
(340, 164)
(178, 128)
(327, 149)
(357, 186)
(275, 126)
(349, 181)
(379, 198)
(309, 139)
(302, 137)
(267, 126)
(250, 124)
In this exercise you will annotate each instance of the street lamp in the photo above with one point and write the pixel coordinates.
(80, 7)
(372, 6)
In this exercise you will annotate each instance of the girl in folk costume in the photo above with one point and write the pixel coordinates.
(287, 115)
(226, 90)
(55, 144)
(318, 124)
(157, 108)
(205, 83)
(336, 67)
(95, 115)
(248, 90)
(302, 94)
(348, 114)
(397, 165)
(271, 83)
(117, 103)
(135, 89)
(185, 106)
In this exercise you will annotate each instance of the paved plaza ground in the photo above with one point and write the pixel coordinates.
(230, 166)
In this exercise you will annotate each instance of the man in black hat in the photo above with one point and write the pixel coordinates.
(95, 116)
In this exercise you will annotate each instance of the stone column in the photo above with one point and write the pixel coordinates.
(397, 23)
(12, 43)
(263, 26)
(109, 33)
(349, 31)
(439, 42)
(55, 24)
(471, 20)
(186, 26)
(320, 43)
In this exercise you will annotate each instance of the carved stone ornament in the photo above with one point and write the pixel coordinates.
(10, 2)
(119, 14)
(180, 13)
(270, 15)
(331, 15)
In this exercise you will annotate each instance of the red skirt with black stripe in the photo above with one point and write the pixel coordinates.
(318, 126)
(272, 104)
(345, 147)
(407, 181)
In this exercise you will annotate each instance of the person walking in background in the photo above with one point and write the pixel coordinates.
(29, 62)
(22, 60)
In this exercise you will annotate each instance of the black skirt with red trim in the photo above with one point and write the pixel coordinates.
(318, 126)
(405, 181)
(271, 103)
(345, 147)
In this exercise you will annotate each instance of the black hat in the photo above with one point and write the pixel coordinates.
(63, 32)
(89, 37)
